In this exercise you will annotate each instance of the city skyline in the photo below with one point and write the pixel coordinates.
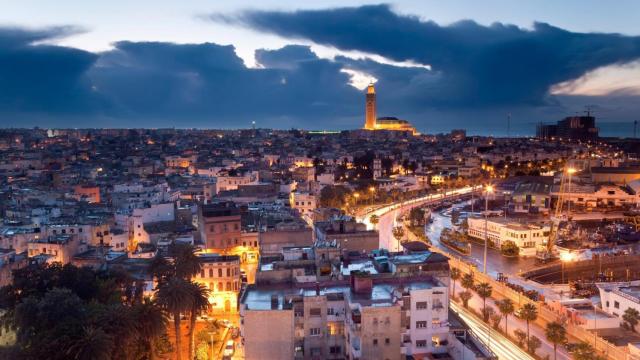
(457, 65)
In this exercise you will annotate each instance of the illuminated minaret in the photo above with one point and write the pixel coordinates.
(370, 108)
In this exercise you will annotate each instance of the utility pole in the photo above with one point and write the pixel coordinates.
(489, 190)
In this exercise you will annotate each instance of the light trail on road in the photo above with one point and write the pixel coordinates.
(500, 345)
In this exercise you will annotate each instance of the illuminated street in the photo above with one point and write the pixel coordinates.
(501, 346)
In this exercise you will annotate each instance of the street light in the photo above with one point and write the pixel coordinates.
(372, 190)
(570, 171)
(488, 190)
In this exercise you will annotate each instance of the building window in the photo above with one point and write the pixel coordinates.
(330, 311)
(421, 324)
(228, 285)
(315, 312)
(421, 305)
(387, 341)
(421, 343)
(220, 288)
(375, 342)
(228, 272)
(202, 273)
(210, 272)
(616, 305)
(219, 272)
(335, 350)
(314, 332)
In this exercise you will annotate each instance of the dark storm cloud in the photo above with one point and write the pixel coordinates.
(478, 65)
(42, 77)
(208, 84)
(479, 74)
(286, 58)
(165, 84)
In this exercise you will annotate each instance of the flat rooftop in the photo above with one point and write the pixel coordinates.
(633, 291)
(259, 298)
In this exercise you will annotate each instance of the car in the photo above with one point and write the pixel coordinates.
(229, 349)
(204, 317)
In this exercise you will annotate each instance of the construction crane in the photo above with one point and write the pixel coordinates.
(547, 253)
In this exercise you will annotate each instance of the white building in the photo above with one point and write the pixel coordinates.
(427, 307)
(303, 202)
(527, 236)
(616, 299)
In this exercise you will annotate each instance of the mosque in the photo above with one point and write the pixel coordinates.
(382, 123)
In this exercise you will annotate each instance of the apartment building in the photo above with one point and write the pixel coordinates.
(303, 202)
(347, 233)
(361, 321)
(221, 275)
(56, 248)
(219, 226)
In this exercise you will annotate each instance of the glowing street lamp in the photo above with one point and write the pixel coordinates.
(570, 171)
(488, 190)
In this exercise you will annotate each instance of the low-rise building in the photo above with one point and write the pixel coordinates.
(525, 235)
(348, 234)
(221, 275)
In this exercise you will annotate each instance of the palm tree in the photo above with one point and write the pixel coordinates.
(556, 334)
(160, 268)
(187, 264)
(528, 313)
(465, 296)
(93, 344)
(175, 296)
(374, 220)
(484, 290)
(506, 308)
(631, 317)
(455, 275)
(150, 324)
(199, 303)
(467, 281)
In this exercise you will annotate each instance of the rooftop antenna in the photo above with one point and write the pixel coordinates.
(589, 109)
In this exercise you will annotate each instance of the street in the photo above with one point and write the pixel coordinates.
(512, 324)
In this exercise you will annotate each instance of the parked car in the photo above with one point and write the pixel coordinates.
(229, 349)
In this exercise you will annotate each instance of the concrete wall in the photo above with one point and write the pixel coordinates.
(268, 334)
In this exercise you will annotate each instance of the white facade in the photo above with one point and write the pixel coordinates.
(429, 315)
(617, 299)
(303, 202)
(226, 182)
(526, 236)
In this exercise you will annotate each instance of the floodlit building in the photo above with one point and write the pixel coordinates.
(372, 122)
(526, 236)
(221, 275)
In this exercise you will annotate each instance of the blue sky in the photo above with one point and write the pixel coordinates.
(99, 26)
